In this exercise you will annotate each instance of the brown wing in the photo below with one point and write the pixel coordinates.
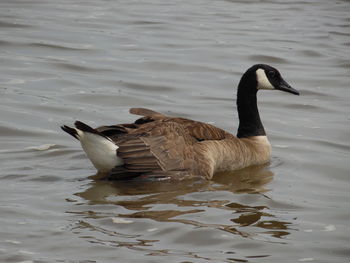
(159, 148)
(203, 131)
(199, 130)
(145, 112)
(159, 145)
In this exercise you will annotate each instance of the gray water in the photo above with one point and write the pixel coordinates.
(92, 60)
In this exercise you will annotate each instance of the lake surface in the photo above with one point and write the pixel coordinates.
(92, 60)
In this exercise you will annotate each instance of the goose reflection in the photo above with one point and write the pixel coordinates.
(249, 180)
(140, 199)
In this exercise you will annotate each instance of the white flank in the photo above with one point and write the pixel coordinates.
(263, 81)
(101, 151)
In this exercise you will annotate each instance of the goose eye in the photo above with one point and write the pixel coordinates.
(272, 74)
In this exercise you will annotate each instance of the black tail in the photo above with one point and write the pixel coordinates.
(70, 131)
(86, 128)
(81, 126)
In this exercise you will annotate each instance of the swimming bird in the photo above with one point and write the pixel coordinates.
(163, 147)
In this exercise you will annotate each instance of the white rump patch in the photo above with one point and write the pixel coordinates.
(101, 151)
(263, 81)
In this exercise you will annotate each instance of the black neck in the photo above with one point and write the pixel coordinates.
(249, 119)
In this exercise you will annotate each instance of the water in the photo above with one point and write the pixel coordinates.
(92, 60)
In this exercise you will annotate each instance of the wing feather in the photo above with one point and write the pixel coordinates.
(144, 112)
(158, 145)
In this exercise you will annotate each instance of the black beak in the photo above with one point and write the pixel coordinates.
(284, 86)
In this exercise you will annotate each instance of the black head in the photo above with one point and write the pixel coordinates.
(269, 78)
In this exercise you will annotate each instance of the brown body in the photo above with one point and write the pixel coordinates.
(159, 145)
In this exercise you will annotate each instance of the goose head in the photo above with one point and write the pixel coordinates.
(269, 78)
(257, 77)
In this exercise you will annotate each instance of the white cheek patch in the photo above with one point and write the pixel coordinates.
(263, 81)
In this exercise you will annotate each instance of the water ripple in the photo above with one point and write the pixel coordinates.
(65, 60)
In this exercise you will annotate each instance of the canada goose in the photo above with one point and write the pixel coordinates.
(159, 146)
